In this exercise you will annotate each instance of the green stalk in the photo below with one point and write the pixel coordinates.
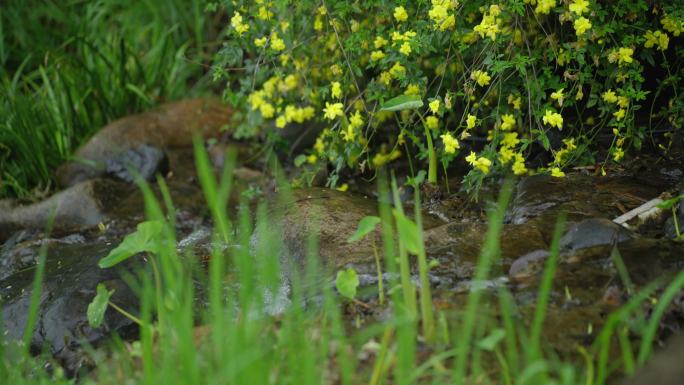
(425, 291)
(432, 155)
(432, 167)
(404, 268)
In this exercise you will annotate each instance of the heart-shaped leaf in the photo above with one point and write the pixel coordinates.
(145, 239)
(97, 308)
(346, 283)
(366, 225)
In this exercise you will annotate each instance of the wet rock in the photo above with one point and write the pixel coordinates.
(542, 198)
(145, 160)
(593, 232)
(665, 368)
(83, 205)
(333, 217)
(171, 125)
(457, 247)
(71, 277)
(528, 264)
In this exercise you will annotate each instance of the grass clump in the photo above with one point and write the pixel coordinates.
(69, 68)
(242, 339)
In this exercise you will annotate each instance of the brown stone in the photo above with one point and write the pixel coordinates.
(171, 125)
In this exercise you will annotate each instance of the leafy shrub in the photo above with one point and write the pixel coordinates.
(577, 81)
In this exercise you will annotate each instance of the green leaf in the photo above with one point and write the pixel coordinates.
(366, 225)
(489, 343)
(346, 283)
(300, 160)
(666, 205)
(408, 233)
(144, 239)
(402, 102)
(96, 309)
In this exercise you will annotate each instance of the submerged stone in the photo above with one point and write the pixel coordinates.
(71, 277)
(593, 232)
(83, 205)
(145, 160)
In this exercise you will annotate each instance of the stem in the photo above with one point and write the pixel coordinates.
(676, 222)
(381, 291)
(432, 155)
(125, 313)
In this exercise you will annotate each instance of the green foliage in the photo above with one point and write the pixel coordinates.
(346, 283)
(98, 307)
(582, 81)
(69, 68)
(366, 226)
(146, 238)
(247, 343)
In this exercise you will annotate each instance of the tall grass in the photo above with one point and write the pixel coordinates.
(311, 341)
(68, 68)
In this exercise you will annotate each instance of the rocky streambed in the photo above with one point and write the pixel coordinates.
(99, 205)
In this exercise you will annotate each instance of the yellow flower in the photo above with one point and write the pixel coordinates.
(582, 25)
(405, 49)
(558, 96)
(544, 6)
(519, 165)
(237, 24)
(319, 146)
(397, 71)
(506, 154)
(432, 122)
(349, 134)
(386, 78)
(480, 163)
(489, 26)
(343, 188)
(609, 97)
(377, 55)
(514, 101)
(507, 122)
(619, 114)
(356, 120)
(672, 25)
(267, 110)
(260, 42)
(481, 77)
(380, 42)
(625, 55)
(656, 38)
(579, 7)
(557, 173)
(412, 89)
(580, 94)
(264, 13)
(618, 154)
(333, 110)
(553, 119)
(336, 90)
(623, 101)
(434, 106)
(277, 44)
(281, 121)
(450, 143)
(470, 121)
(510, 139)
(400, 14)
